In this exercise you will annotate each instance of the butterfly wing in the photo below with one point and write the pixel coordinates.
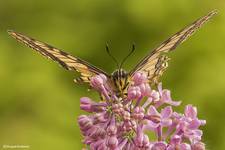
(154, 64)
(67, 61)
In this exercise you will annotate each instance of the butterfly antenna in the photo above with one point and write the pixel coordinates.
(109, 53)
(132, 50)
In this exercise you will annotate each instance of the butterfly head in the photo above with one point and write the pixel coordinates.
(120, 79)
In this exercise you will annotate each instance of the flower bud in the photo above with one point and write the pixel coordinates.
(85, 123)
(134, 92)
(85, 104)
(159, 146)
(139, 78)
(98, 81)
(155, 96)
(145, 89)
(112, 142)
(138, 113)
(126, 115)
(96, 132)
(198, 146)
(185, 146)
(176, 139)
(88, 105)
(111, 130)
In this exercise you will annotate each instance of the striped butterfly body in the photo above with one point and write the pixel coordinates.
(153, 65)
(120, 80)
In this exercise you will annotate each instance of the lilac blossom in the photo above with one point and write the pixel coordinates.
(124, 123)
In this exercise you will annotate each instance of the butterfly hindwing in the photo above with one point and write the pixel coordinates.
(154, 64)
(64, 59)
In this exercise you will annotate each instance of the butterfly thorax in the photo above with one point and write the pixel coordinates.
(120, 79)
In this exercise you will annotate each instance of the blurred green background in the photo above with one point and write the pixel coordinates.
(39, 103)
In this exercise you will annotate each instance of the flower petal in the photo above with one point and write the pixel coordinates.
(166, 112)
(194, 124)
(173, 103)
(190, 111)
(166, 122)
(166, 98)
(150, 125)
(152, 111)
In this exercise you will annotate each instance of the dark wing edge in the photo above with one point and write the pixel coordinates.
(155, 63)
(64, 59)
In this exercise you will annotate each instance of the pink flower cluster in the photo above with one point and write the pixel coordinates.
(144, 120)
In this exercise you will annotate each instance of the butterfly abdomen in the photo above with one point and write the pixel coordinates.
(120, 79)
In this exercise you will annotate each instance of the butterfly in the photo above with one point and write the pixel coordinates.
(153, 65)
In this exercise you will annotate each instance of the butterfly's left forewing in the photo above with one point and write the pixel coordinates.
(154, 64)
(67, 61)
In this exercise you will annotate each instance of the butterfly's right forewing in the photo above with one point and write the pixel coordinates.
(64, 59)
